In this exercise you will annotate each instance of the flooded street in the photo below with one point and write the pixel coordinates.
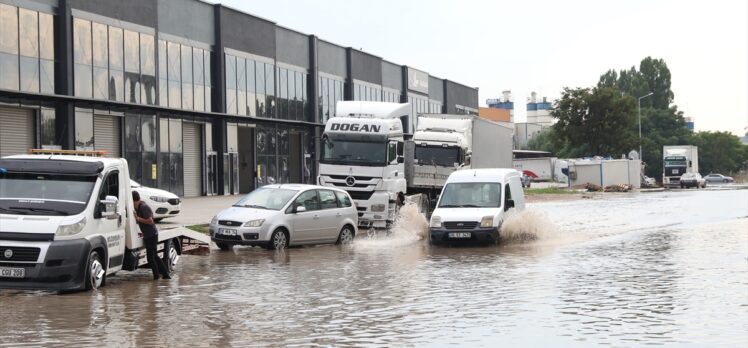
(646, 268)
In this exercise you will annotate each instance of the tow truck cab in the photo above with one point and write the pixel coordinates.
(66, 222)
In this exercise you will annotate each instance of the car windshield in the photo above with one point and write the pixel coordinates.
(354, 152)
(437, 155)
(471, 195)
(266, 198)
(44, 194)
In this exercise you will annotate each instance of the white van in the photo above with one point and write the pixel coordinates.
(473, 204)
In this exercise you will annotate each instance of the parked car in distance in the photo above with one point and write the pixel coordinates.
(473, 204)
(648, 182)
(718, 178)
(163, 203)
(692, 180)
(278, 216)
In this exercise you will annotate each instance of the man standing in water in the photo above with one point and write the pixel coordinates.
(144, 217)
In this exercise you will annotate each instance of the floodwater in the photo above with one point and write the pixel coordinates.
(667, 268)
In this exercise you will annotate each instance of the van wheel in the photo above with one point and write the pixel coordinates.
(224, 246)
(95, 273)
(171, 255)
(346, 235)
(279, 240)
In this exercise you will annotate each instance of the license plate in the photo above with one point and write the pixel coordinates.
(676, 171)
(12, 272)
(459, 235)
(227, 232)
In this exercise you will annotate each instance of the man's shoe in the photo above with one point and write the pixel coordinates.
(155, 277)
(166, 276)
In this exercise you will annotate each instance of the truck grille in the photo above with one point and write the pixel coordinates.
(358, 178)
(23, 254)
(460, 225)
(229, 223)
(361, 195)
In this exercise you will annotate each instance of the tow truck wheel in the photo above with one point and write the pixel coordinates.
(224, 246)
(346, 235)
(171, 255)
(95, 273)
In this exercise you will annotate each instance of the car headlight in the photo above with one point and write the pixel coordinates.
(436, 222)
(486, 221)
(214, 220)
(254, 223)
(71, 229)
(377, 207)
(159, 199)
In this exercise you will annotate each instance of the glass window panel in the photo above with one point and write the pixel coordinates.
(8, 29)
(282, 93)
(174, 68)
(230, 84)
(116, 85)
(132, 51)
(163, 93)
(187, 102)
(148, 89)
(100, 43)
(47, 127)
(241, 86)
(208, 67)
(116, 53)
(29, 74)
(175, 94)
(148, 132)
(46, 36)
(292, 99)
(260, 82)
(132, 87)
(175, 135)
(147, 55)
(82, 41)
(199, 97)
(186, 64)
(84, 139)
(270, 90)
(300, 96)
(100, 83)
(198, 66)
(208, 99)
(251, 97)
(304, 92)
(47, 76)
(29, 32)
(162, 59)
(163, 134)
(83, 80)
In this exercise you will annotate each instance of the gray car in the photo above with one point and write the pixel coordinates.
(718, 178)
(278, 216)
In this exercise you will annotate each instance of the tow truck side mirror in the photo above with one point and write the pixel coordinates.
(109, 207)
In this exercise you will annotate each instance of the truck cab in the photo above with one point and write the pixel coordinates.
(473, 204)
(66, 222)
(362, 153)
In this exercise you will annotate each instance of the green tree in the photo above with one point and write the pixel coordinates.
(653, 76)
(720, 152)
(597, 121)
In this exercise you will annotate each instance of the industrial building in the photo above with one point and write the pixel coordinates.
(200, 98)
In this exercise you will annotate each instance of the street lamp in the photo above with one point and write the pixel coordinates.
(641, 155)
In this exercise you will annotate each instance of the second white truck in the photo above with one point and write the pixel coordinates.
(678, 160)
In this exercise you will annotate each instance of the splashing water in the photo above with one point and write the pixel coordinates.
(409, 227)
(526, 226)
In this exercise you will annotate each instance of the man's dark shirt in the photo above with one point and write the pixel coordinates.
(144, 212)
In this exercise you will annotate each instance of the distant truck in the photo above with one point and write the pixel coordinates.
(678, 160)
(68, 224)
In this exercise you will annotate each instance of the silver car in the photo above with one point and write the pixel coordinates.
(277, 216)
(718, 178)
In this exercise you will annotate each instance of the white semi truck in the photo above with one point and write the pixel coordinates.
(364, 151)
(66, 222)
(678, 160)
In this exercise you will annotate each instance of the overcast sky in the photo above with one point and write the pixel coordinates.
(546, 45)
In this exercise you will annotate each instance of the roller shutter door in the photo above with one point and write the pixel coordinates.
(16, 131)
(107, 135)
(192, 145)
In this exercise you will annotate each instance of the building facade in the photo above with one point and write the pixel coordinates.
(201, 99)
(505, 103)
(539, 110)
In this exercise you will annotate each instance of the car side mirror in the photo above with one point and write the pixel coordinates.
(509, 204)
(300, 209)
(109, 207)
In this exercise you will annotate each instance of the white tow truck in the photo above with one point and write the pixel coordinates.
(66, 222)
(364, 151)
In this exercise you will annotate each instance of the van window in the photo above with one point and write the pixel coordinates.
(507, 197)
(343, 198)
(110, 186)
(327, 199)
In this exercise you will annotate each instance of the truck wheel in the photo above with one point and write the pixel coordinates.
(95, 273)
(279, 240)
(346, 235)
(171, 255)
(224, 246)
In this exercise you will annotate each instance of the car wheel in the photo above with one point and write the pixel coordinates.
(279, 240)
(171, 255)
(346, 235)
(224, 246)
(725, 181)
(95, 273)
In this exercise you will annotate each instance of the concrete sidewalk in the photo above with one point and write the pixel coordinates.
(199, 210)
